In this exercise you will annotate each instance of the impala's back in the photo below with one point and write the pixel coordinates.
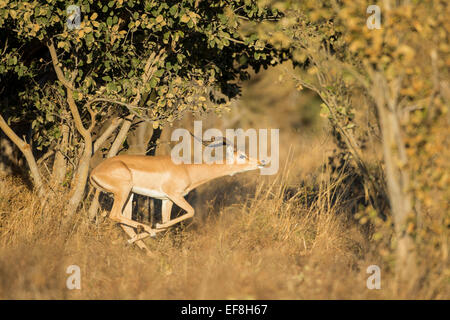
(146, 175)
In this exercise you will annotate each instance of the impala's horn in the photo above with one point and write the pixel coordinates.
(217, 142)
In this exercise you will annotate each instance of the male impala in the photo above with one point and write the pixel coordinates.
(159, 177)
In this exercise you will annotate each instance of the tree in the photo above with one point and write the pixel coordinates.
(382, 72)
(149, 60)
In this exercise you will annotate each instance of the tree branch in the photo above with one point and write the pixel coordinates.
(59, 72)
(69, 88)
(101, 140)
(27, 152)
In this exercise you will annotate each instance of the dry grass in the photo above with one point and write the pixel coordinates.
(293, 236)
(253, 243)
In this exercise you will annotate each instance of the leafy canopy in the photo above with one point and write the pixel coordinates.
(203, 42)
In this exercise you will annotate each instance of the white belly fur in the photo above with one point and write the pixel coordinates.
(150, 193)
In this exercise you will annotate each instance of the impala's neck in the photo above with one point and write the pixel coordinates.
(202, 173)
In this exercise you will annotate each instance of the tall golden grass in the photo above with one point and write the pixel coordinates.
(260, 238)
(297, 235)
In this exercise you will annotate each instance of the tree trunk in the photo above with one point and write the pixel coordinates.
(117, 144)
(115, 123)
(60, 163)
(397, 179)
(82, 173)
(25, 148)
(138, 139)
(121, 136)
(83, 168)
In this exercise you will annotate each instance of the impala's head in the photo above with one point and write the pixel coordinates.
(242, 160)
(238, 160)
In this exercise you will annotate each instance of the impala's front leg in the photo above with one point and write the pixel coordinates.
(182, 203)
(166, 210)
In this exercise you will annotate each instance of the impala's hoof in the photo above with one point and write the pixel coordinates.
(142, 236)
(151, 232)
(160, 226)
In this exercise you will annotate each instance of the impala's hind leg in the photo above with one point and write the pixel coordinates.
(118, 180)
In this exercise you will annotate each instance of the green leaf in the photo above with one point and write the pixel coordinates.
(173, 10)
(159, 73)
(324, 111)
(153, 82)
(185, 18)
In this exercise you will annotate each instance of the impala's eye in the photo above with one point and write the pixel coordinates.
(242, 156)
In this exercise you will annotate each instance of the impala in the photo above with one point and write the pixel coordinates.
(159, 177)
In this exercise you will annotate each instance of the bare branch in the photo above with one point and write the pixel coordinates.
(93, 114)
(27, 152)
(101, 140)
(56, 66)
